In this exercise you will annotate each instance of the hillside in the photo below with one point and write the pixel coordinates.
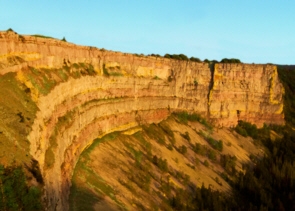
(142, 168)
(56, 98)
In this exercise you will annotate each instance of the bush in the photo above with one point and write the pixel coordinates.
(241, 131)
(186, 136)
(206, 163)
(156, 55)
(246, 129)
(183, 57)
(184, 117)
(162, 164)
(182, 149)
(14, 192)
(200, 149)
(64, 39)
(225, 60)
(177, 56)
(228, 162)
(167, 56)
(212, 155)
(196, 82)
(161, 141)
(170, 147)
(105, 71)
(193, 59)
(197, 162)
(218, 145)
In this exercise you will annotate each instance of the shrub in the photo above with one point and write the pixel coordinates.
(186, 136)
(228, 162)
(206, 163)
(170, 147)
(156, 55)
(241, 131)
(183, 57)
(193, 59)
(162, 164)
(218, 181)
(14, 192)
(212, 155)
(177, 57)
(105, 71)
(64, 39)
(161, 141)
(196, 82)
(225, 60)
(167, 56)
(182, 149)
(219, 145)
(199, 149)
(183, 117)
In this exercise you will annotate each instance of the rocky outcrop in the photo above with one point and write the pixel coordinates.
(125, 91)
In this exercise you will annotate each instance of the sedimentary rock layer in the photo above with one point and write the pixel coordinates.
(126, 90)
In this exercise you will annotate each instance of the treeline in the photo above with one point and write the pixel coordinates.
(269, 185)
(195, 59)
(15, 194)
(287, 77)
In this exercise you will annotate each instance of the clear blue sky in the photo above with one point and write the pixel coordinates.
(258, 31)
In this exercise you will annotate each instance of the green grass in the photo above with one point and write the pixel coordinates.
(105, 71)
(92, 181)
(42, 36)
(15, 194)
(184, 117)
(37, 85)
(115, 74)
(76, 66)
(15, 99)
(62, 75)
(62, 121)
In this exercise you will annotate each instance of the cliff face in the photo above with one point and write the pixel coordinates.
(118, 91)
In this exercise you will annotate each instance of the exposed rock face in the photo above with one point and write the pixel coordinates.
(246, 92)
(126, 92)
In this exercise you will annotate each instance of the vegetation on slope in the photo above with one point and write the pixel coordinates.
(17, 111)
(158, 168)
(15, 194)
(287, 77)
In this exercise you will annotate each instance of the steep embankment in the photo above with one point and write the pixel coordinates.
(69, 95)
(145, 167)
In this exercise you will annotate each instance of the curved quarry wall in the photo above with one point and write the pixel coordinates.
(126, 90)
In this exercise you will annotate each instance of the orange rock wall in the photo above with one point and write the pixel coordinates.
(148, 90)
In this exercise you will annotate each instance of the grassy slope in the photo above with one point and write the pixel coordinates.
(17, 111)
(18, 95)
(119, 171)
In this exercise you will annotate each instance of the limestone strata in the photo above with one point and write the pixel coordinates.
(77, 111)
(246, 92)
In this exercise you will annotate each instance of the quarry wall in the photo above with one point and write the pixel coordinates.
(127, 90)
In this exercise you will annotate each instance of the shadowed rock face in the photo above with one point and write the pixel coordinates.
(127, 90)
